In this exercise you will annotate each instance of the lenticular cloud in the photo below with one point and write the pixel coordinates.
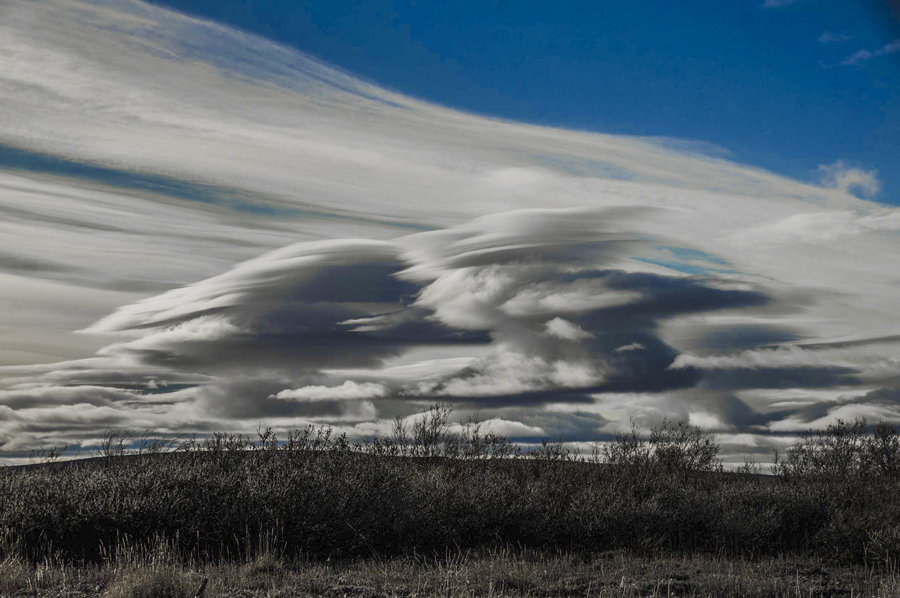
(204, 230)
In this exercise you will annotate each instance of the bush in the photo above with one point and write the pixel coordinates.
(844, 450)
(671, 447)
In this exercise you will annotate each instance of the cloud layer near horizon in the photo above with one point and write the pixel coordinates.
(204, 230)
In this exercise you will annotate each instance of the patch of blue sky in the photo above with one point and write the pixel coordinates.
(12, 158)
(678, 266)
(689, 261)
(688, 254)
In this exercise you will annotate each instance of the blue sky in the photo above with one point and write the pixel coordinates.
(766, 83)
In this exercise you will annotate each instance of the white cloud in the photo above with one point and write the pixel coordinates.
(512, 429)
(507, 372)
(864, 55)
(631, 347)
(349, 390)
(840, 175)
(849, 412)
(822, 227)
(781, 357)
(579, 296)
(566, 330)
(706, 421)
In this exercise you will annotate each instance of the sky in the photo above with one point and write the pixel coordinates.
(781, 85)
(338, 214)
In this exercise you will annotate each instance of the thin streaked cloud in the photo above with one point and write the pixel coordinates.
(829, 37)
(864, 55)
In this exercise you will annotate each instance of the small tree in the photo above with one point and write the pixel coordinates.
(476, 442)
(683, 447)
(670, 447)
(628, 450)
(431, 435)
(429, 432)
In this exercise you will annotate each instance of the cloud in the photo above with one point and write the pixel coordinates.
(829, 37)
(347, 390)
(348, 304)
(311, 248)
(874, 406)
(508, 373)
(513, 429)
(864, 55)
(300, 308)
(564, 329)
(631, 347)
(839, 175)
(779, 357)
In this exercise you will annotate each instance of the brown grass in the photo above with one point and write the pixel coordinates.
(496, 573)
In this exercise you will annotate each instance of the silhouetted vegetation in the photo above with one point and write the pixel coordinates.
(424, 490)
(844, 451)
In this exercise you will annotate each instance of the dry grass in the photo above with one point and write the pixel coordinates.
(150, 582)
(497, 573)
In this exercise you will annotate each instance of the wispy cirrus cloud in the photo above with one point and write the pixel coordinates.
(829, 37)
(864, 55)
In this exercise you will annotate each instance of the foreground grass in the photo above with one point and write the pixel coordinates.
(485, 574)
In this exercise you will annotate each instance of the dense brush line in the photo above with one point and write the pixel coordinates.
(424, 490)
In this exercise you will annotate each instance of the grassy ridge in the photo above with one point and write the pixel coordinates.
(425, 492)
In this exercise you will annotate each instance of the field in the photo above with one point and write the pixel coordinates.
(428, 513)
